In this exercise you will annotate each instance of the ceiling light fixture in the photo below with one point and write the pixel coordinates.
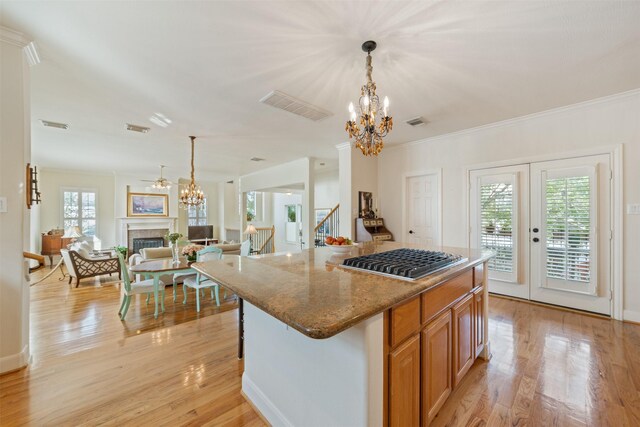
(161, 183)
(160, 120)
(54, 124)
(369, 139)
(136, 128)
(192, 195)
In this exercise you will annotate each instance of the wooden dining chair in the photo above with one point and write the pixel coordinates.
(133, 288)
(198, 282)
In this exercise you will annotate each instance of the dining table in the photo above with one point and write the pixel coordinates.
(158, 268)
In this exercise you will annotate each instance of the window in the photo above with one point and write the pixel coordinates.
(79, 209)
(197, 215)
(254, 206)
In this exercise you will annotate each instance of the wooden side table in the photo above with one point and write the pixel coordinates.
(51, 245)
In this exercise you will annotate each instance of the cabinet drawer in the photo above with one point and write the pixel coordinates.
(478, 275)
(405, 321)
(445, 294)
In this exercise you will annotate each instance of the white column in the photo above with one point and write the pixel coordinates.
(15, 153)
(356, 173)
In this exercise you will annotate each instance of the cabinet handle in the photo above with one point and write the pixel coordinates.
(410, 231)
(536, 240)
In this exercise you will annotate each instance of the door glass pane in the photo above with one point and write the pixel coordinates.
(568, 222)
(496, 203)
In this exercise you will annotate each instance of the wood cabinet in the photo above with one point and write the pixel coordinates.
(463, 338)
(432, 340)
(478, 317)
(404, 384)
(52, 243)
(436, 365)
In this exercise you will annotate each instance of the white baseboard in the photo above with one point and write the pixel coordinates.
(266, 407)
(15, 361)
(631, 315)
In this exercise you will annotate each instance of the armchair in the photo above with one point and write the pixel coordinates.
(81, 266)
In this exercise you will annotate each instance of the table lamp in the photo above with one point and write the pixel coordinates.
(73, 233)
(251, 229)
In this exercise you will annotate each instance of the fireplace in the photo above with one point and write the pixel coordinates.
(146, 242)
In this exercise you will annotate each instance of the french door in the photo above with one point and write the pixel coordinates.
(549, 224)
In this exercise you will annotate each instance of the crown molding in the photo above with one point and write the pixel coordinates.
(13, 37)
(31, 52)
(343, 145)
(507, 122)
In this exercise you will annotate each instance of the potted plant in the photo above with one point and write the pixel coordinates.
(123, 250)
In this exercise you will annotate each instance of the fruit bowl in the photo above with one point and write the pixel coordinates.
(341, 249)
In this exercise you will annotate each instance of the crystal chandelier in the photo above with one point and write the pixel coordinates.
(192, 195)
(369, 138)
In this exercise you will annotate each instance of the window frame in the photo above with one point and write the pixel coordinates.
(80, 190)
(198, 217)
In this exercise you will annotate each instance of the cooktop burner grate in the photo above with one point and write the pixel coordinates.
(409, 264)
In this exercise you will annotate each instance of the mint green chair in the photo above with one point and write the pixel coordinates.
(180, 276)
(133, 288)
(198, 283)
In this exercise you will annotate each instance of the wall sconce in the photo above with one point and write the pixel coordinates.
(33, 195)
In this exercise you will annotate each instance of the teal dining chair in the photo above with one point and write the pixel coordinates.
(198, 283)
(133, 288)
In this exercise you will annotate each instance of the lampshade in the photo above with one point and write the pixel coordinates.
(250, 229)
(73, 232)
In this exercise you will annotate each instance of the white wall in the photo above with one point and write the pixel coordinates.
(15, 153)
(327, 189)
(600, 123)
(52, 181)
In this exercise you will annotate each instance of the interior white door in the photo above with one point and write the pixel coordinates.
(499, 221)
(423, 210)
(571, 233)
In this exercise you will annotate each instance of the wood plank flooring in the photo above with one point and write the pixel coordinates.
(549, 367)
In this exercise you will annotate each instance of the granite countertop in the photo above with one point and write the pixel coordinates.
(309, 291)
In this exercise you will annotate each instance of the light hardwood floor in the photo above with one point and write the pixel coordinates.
(549, 367)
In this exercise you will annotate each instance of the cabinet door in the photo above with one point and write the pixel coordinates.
(404, 384)
(463, 338)
(436, 365)
(478, 316)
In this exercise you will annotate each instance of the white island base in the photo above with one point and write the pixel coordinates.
(294, 380)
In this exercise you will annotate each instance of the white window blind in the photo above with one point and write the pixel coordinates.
(496, 211)
(568, 223)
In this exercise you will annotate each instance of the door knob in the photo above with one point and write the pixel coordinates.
(410, 231)
(536, 240)
(535, 230)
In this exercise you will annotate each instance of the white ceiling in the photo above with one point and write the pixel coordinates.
(205, 65)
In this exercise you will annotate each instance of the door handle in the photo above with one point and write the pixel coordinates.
(410, 231)
(536, 240)
(535, 230)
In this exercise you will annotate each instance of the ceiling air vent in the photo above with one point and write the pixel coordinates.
(288, 103)
(49, 124)
(418, 121)
(136, 128)
(257, 159)
(230, 182)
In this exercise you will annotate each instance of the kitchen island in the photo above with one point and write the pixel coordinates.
(325, 345)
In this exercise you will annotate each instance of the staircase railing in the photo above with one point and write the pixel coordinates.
(329, 226)
(264, 241)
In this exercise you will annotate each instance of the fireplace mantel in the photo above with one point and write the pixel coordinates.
(130, 223)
